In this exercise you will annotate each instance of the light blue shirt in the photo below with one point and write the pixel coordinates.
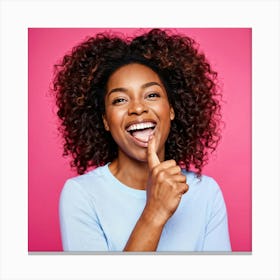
(98, 213)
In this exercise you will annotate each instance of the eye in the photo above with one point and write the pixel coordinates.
(153, 95)
(118, 100)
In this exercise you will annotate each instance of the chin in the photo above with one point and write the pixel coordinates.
(140, 159)
(135, 156)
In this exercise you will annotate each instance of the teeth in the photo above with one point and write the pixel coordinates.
(139, 126)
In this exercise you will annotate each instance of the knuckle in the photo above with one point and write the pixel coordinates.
(171, 163)
(178, 169)
(161, 176)
(155, 170)
(184, 179)
(185, 188)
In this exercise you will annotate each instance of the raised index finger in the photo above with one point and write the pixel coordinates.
(153, 159)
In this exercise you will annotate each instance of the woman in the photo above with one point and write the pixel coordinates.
(144, 111)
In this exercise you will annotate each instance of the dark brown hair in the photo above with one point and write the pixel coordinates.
(80, 83)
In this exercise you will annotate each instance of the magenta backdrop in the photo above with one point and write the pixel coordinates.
(229, 51)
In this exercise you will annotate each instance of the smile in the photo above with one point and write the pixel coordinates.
(141, 131)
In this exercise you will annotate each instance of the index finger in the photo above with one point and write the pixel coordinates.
(153, 159)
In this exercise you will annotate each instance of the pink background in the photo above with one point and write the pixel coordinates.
(228, 50)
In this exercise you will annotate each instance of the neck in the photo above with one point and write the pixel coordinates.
(131, 173)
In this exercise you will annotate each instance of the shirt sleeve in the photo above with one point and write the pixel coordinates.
(79, 225)
(217, 234)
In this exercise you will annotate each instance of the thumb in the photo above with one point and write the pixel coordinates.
(153, 159)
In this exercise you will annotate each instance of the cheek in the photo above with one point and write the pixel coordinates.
(166, 120)
(114, 120)
(165, 112)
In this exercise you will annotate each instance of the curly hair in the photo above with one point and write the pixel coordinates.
(80, 86)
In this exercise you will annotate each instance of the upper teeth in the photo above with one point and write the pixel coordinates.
(141, 126)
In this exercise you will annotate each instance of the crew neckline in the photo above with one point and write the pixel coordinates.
(129, 190)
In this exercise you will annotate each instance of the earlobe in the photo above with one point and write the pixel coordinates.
(172, 114)
(105, 123)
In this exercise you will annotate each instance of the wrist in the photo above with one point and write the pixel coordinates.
(154, 218)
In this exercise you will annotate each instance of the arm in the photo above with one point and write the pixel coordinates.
(217, 234)
(80, 229)
(146, 234)
(165, 188)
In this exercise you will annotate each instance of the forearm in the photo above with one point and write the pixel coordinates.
(165, 186)
(146, 234)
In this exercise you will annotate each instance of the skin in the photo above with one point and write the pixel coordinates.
(135, 93)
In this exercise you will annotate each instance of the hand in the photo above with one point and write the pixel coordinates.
(165, 187)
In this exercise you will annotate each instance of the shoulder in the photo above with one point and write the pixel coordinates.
(204, 186)
(205, 193)
(88, 178)
(203, 181)
(80, 186)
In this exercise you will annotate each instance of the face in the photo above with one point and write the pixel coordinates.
(136, 106)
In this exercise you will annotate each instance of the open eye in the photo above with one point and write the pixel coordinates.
(118, 100)
(153, 95)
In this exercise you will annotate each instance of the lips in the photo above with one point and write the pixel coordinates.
(141, 131)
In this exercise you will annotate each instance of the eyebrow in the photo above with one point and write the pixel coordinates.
(121, 89)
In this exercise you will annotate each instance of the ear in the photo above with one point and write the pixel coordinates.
(105, 123)
(172, 114)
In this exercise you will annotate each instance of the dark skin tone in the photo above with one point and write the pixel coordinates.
(135, 95)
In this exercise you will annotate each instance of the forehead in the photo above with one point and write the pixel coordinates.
(132, 74)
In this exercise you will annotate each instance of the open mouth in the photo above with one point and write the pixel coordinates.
(141, 131)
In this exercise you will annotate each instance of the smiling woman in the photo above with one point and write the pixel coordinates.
(144, 111)
(136, 107)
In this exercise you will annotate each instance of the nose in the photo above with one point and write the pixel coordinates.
(137, 107)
